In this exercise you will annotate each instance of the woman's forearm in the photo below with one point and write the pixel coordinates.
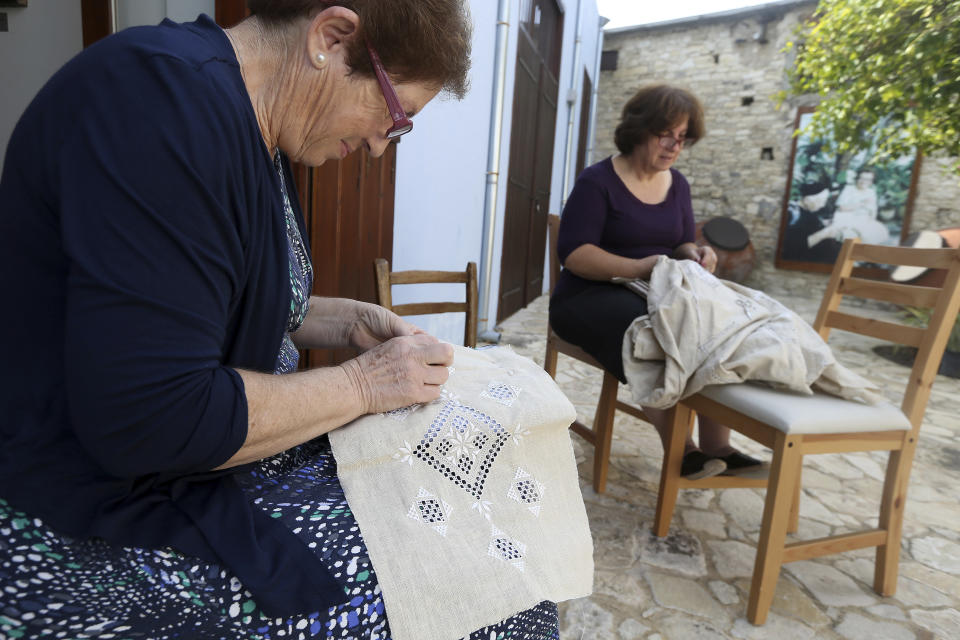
(328, 324)
(284, 411)
(593, 263)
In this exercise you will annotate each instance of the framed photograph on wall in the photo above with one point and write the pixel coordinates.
(831, 197)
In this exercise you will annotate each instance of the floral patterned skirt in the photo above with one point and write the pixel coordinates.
(58, 587)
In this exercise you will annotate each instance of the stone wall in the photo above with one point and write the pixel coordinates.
(735, 63)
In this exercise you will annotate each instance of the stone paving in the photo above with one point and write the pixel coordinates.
(694, 583)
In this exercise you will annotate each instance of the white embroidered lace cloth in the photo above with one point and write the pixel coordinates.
(470, 506)
(703, 331)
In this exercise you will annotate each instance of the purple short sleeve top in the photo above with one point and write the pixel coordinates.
(602, 211)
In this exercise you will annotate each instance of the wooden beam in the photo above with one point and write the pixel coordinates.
(724, 482)
(882, 254)
(850, 442)
(889, 331)
(632, 410)
(904, 294)
(584, 432)
(421, 308)
(427, 277)
(833, 544)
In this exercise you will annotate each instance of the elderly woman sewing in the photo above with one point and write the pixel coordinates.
(624, 213)
(157, 480)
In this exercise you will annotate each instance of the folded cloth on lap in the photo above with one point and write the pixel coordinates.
(704, 331)
(470, 506)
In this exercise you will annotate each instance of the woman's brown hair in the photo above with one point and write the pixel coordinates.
(417, 40)
(654, 109)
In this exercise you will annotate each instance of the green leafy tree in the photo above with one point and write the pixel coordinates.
(888, 73)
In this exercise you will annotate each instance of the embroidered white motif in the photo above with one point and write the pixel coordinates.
(501, 392)
(447, 396)
(466, 450)
(431, 511)
(526, 490)
(518, 433)
(401, 414)
(461, 445)
(405, 453)
(503, 547)
(483, 506)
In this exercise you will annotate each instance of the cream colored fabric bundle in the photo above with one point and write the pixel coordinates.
(703, 331)
(470, 506)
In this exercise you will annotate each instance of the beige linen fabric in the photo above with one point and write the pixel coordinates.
(470, 506)
(704, 331)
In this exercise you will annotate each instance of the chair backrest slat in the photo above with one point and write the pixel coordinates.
(905, 256)
(423, 308)
(890, 331)
(553, 231)
(385, 279)
(904, 294)
(427, 277)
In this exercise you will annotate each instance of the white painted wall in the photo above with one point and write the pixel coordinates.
(41, 38)
(441, 166)
(132, 13)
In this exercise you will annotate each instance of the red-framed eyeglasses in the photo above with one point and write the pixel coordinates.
(401, 123)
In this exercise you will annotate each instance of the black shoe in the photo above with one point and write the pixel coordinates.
(738, 462)
(697, 465)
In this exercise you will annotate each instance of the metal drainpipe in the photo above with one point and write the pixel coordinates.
(114, 16)
(493, 170)
(592, 126)
(571, 108)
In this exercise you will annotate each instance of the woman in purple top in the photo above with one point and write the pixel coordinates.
(625, 212)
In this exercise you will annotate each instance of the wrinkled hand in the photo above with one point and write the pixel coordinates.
(375, 325)
(400, 372)
(707, 258)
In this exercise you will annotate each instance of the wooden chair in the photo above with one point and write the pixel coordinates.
(386, 278)
(795, 425)
(600, 436)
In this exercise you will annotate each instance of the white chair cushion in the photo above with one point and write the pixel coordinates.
(793, 412)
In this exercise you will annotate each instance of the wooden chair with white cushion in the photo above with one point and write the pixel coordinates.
(795, 425)
(385, 279)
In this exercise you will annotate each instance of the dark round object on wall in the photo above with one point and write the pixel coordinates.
(726, 233)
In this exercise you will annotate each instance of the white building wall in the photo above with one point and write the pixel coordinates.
(40, 38)
(134, 13)
(441, 167)
(44, 35)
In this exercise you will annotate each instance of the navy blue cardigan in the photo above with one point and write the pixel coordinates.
(143, 257)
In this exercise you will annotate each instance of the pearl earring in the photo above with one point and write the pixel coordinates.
(321, 58)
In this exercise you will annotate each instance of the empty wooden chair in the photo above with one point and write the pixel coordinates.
(385, 279)
(795, 425)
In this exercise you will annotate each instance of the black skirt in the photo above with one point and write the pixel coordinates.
(595, 317)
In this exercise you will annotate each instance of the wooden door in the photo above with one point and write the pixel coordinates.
(348, 207)
(531, 155)
(583, 142)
